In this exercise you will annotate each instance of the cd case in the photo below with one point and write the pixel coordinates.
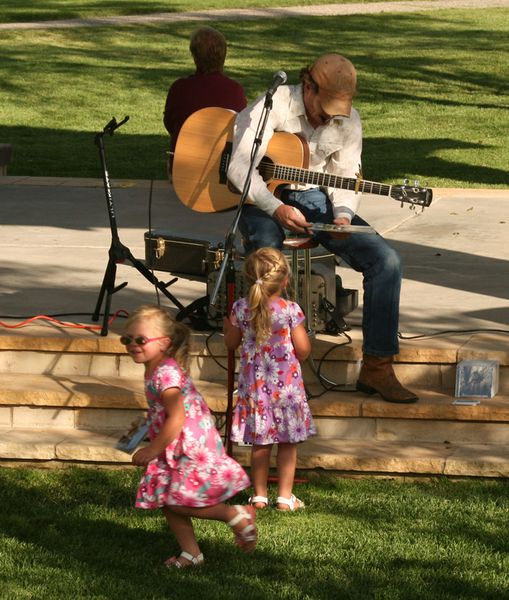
(331, 228)
(477, 379)
(133, 437)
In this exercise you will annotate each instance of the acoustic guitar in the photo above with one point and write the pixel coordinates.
(202, 156)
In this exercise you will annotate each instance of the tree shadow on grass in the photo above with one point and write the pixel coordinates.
(63, 153)
(13, 13)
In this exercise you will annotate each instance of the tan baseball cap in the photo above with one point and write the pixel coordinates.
(336, 78)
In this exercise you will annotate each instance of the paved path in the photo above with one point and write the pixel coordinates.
(55, 240)
(258, 13)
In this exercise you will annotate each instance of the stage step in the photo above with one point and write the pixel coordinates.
(67, 398)
(60, 447)
(79, 419)
(36, 394)
(87, 354)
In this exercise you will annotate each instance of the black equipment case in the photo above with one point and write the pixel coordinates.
(165, 252)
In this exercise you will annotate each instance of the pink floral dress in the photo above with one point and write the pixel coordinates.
(272, 405)
(194, 470)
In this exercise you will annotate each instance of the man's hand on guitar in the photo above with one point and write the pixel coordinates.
(291, 218)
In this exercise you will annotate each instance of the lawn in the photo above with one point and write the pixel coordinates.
(73, 534)
(432, 90)
(20, 11)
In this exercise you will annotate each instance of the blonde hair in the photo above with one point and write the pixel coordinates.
(179, 334)
(266, 271)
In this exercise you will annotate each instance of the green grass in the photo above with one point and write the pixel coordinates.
(432, 91)
(74, 534)
(21, 11)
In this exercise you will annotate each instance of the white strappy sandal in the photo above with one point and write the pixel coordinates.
(194, 561)
(248, 536)
(293, 503)
(259, 500)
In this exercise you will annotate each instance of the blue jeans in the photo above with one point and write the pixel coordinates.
(368, 254)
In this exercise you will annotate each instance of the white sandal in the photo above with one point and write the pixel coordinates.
(293, 503)
(194, 561)
(247, 537)
(259, 500)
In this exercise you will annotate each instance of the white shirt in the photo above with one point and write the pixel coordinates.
(334, 148)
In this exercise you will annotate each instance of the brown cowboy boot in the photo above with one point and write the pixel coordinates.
(377, 377)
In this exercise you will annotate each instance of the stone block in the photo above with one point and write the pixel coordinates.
(5, 416)
(419, 374)
(29, 444)
(84, 446)
(45, 418)
(335, 371)
(481, 460)
(128, 368)
(62, 364)
(104, 365)
(336, 404)
(345, 428)
(208, 368)
(33, 362)
(366, 456)
(71, 391)
(459, 432)
(105, 420)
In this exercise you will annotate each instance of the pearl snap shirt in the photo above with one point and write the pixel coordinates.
(334, 148)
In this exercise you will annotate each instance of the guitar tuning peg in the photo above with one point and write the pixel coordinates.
(416, 183)
(405, 181)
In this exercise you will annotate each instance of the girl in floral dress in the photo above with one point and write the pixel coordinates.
(272, 406)
(188, 473)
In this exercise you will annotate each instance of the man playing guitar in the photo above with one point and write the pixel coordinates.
(319, 109)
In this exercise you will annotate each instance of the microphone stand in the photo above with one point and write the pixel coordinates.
(228, 264)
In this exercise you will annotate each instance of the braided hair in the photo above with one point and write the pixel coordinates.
(267, 272)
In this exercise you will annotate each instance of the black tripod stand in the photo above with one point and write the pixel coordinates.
(119, 254)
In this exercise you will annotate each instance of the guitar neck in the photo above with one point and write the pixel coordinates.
(297, 175)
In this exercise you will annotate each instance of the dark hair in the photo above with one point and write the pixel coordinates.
(208, 47)
(305, 77)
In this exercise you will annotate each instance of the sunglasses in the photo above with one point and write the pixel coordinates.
(140, 340)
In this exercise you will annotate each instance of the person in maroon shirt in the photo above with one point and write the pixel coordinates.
(208, 86)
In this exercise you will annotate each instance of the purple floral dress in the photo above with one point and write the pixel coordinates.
(272, 405)
(194, 470)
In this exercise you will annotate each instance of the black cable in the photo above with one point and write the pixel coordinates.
(450, 331)
(207, 340)
(328, 385)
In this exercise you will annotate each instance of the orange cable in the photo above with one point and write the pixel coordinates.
(62, 323)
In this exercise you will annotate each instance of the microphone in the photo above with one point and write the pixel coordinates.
(279, 79)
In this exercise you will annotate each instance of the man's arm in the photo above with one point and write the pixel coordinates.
(245, 128)
(244, 134)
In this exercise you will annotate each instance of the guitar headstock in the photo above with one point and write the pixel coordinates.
(412, 194)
